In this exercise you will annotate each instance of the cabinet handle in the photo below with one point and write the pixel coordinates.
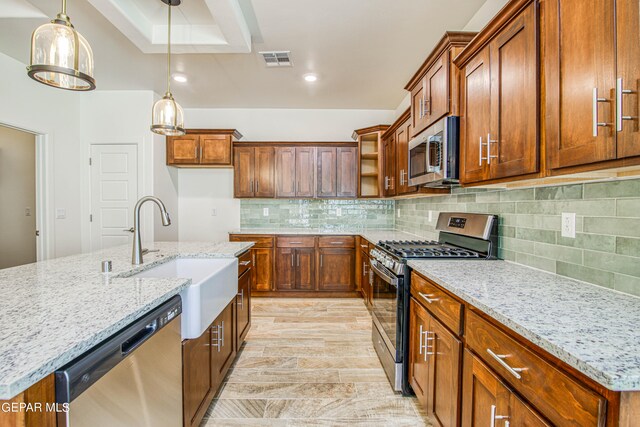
(392, 182)
(364, 268)
(495, 417)
(420, 335)
(298, 260)
(195, 152)
(243, 263)
(257, 186)
(420, 109)
(336, 243)
(428, 298)
(251, 186)
(596, 123)
(364, 246)
(386, 182)
(241, 295)
(291, 260)
(500, 359)
(489, 142)
(215, 342)
(296, 243)
(427, 102)
(429, 337)
(221, 335)
(321, 256)
(201, 152)
(480, 158)
(619, 113)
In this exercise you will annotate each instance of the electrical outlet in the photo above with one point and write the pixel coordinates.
(265, 211)
(214, 212)
(27, 211)
(398, 213)
(338, 211)
(61, 213)
(430, 216)
(569, 225)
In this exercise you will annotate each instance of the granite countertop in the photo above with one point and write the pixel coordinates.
(591, 328)
(53, 311)
(372, 235)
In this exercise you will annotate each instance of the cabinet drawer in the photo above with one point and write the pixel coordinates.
(337, 242)
(296, 242)
(261, 241)
(438, 302)
(561, 399)
(244, 262)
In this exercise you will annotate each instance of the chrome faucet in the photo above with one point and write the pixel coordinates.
(136, 258)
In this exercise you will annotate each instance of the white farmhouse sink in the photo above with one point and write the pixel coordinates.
(214, 285)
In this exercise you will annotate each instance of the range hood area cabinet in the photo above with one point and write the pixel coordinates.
(202, 148)
(295, 170)
(499, 98)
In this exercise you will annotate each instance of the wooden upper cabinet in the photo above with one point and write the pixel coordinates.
(628, 77)
(326, 172)
(264, 172)
(183, 150)
(403, 135)
(499, 135)
(475, 109)
(433, 87)
(305, 174)
(243, 176)
(286, 176)
(202, 148)
(389, 145)
(346, 172)
(580, 81)
(514, 94)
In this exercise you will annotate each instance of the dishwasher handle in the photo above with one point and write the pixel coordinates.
(80, 374)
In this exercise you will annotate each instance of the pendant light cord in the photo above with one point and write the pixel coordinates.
(64, 7)
(168, 52)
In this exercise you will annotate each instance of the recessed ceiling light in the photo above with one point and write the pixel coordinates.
(180, 78)
(310, 77)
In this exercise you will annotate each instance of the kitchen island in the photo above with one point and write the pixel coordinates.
(53, 311)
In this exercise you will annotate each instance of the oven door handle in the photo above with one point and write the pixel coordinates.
(393, 281)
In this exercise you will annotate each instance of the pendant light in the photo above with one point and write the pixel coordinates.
(167, 117)
(60, 56)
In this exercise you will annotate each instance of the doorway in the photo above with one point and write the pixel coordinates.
(114, 192)
(18, 195)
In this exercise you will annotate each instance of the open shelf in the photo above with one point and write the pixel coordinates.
(370, 156)
(369, 174)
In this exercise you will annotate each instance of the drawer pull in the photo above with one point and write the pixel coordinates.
(500, 359)
(243, 263)
(495, 417)
(296, 243)
(428, 298)
(336, 243)
(364, 246)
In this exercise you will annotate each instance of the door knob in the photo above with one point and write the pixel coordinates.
(130, 230)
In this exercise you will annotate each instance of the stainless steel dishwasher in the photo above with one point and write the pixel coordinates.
(134, 378)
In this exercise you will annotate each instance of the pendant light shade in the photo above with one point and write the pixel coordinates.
(60, 56)
(167, 117)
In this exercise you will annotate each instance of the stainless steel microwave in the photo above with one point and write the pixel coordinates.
(434, 155)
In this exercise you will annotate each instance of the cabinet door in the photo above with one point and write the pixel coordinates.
(444, 375)
(347, 172)
(628, 40)
(285, 269)
(262, 279)
(475, 118)
(305, 270)
(196, 373)
(365, 284)
(514, 92)
(305, 172)
(286, 172)
(336, 270)
(576, 63)
(183, 150)
(264, 172)
(402, 159)
(215, 150)
(437, 89)
(419, 118)
(243, 302)
(326, 165)
(418, 354)
(223, 332)
(484, 397)
(243, 174)
(523, 415)
(390, 166)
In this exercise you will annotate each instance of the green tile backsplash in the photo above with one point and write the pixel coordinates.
(314, 213)
(606, 250)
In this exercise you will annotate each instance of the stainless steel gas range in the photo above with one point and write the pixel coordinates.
(461, 236)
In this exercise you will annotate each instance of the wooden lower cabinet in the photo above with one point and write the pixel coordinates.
(243, 308)
(223, 333)
(488, 402)
(295, 269)
(196, 377)
(434, 366)
(336, 272)
(42, 393)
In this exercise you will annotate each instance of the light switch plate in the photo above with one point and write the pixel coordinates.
(338, 211)
(398, 213)
(214, 212)
(430, 216)
(569, 225)
(27, 211)
(61, 213)
(265, 211)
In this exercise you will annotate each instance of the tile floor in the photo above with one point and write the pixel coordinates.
(310, 362)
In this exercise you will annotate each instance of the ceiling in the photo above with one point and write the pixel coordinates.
(364, 51)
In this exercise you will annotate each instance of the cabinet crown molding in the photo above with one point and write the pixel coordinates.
(233, 132)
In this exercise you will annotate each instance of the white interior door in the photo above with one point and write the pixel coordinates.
(114, 192)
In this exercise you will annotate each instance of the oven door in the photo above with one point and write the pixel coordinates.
(387, 300)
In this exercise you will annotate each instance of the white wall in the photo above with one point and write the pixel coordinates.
(202, 190)
(486, 12)
(18, 193)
